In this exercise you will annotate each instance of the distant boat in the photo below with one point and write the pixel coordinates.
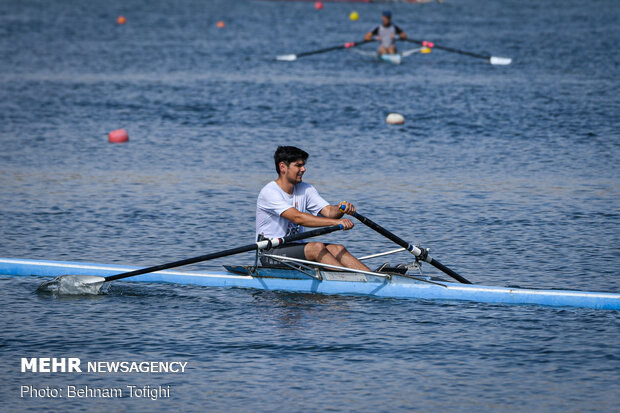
(395, 58)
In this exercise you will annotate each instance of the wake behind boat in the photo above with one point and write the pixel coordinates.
(403, 281)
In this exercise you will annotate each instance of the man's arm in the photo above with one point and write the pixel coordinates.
(335, 211)
(309, 220)
(371, 33)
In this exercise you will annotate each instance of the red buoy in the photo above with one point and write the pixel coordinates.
(318, 5)
(118, 136)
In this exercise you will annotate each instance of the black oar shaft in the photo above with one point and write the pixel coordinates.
(383, 231)
(181, 263)
(409, 247)
(225, 253)
(329, 49)
(448, 271)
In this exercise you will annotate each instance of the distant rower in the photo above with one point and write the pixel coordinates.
(386, 34)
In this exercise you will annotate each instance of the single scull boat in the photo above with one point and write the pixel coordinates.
(395, 58)
(296, 275)
(301, 277)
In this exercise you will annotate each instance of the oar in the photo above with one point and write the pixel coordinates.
(494, 60)
(412, 51)
(94, 283)
(293, 57)
(419, 253)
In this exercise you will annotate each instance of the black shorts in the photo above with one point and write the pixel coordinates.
(295, 250)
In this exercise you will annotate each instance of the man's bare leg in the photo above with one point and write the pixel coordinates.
(333, 255)
(345, 257)
(317, 251)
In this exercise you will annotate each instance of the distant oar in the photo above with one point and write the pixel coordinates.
(418, 50)
(293, 57)
(421, 254)
(81, 284)
(494, 60)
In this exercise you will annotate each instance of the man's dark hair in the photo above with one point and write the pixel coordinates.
(288, 154)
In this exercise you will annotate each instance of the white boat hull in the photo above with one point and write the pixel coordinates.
(337, 283)
(395, 59)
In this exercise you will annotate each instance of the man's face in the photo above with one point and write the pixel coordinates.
(386, 20)
(294, 171)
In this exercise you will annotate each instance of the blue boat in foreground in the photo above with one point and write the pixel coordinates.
(302, 277)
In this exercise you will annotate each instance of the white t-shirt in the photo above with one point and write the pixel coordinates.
(386, 34)
(273, 201)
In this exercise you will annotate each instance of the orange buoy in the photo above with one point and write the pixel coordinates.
(121, 20)
(221, 25)
(118, 136)
(318, 5)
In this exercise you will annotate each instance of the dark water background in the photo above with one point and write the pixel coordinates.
(510, 175)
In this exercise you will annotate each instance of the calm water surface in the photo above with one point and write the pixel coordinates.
(509, 174)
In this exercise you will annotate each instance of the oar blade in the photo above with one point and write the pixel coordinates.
(287, 58)
(73, 285)
(502, 61)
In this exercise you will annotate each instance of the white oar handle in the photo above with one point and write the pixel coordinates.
(276, 242)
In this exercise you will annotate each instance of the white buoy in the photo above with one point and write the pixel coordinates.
(395, 119)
